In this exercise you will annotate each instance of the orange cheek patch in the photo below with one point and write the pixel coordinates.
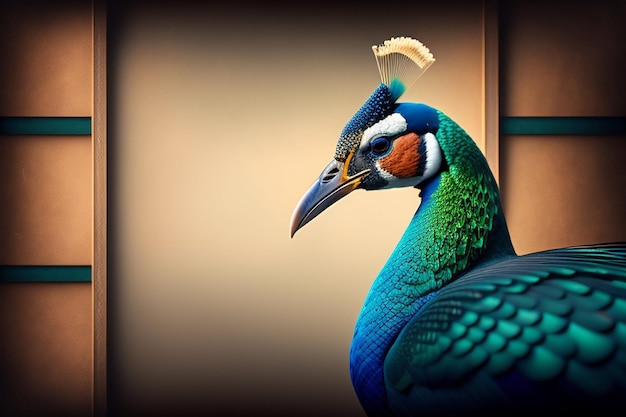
(403, 160)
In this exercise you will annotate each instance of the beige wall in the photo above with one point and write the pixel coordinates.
(219, 121)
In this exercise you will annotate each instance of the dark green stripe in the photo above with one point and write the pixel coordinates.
(45, 273)
(45, 125)
(563, 125)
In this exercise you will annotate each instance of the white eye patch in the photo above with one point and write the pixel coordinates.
(433, 155)
(392, 125)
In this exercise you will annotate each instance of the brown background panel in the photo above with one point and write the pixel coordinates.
(45, 189)
(46, 58)
(45, 354)
(563, 58)
(563, 190)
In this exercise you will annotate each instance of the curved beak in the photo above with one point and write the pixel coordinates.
(332, 185)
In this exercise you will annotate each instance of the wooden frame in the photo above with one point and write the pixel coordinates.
(99, 132)
(491, 131)
(99, 255)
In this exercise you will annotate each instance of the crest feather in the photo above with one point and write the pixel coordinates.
(401, 61)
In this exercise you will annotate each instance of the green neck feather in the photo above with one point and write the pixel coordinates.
(459, 222)
(458, 225)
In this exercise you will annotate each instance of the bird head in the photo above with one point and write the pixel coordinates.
(385, 144)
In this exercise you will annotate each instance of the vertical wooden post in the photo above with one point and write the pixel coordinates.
(491, 125)
(99, 255)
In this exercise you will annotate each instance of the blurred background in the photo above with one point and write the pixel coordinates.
(219, 117)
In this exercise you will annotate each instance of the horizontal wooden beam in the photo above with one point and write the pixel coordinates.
(592, 126)
(45, 273)
(45, 125)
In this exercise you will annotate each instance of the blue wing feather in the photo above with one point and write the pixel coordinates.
(547, 328)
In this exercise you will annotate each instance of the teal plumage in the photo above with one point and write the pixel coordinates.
(456, 321)
(542, 330)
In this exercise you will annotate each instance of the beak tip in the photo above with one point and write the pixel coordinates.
(294, 227)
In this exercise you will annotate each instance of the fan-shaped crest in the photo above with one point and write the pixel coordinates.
(401, 61)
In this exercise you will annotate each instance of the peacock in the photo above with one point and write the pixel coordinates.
(456, 322)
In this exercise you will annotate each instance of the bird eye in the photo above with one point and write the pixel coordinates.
(380, 145)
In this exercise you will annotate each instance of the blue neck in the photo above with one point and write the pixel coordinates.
(458, 225)
(414, 273)
(396, 295)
